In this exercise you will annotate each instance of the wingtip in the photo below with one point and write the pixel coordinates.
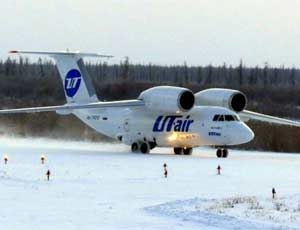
(13, 51)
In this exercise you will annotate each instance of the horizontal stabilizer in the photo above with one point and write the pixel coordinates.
(76, 53)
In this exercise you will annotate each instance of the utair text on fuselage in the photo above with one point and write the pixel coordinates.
(169, 123)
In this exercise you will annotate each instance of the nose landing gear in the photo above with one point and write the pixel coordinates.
(222, 153)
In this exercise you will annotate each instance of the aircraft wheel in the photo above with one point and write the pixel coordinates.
(134, 147)
(219, 153)
(152, 145)
(178, 151)
(145, 148)
(224, 153)
(187, 151)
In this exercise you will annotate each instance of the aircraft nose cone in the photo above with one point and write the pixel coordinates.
(248, 134)
(241, 134)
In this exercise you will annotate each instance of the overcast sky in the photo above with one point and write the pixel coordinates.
(199, 32)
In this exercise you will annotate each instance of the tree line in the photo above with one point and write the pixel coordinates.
(238, 76)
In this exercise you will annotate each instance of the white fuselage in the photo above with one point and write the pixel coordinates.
(190, 129)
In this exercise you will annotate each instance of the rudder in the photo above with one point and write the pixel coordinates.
(76, 81)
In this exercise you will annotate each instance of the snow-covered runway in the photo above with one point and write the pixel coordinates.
(103, 186)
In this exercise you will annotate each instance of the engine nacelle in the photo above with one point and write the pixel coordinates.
(229, 98)
(168, 99)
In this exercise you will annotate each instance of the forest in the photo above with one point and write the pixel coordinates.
(270, 90)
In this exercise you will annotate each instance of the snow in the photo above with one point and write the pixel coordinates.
(104, 186)
(236, 212)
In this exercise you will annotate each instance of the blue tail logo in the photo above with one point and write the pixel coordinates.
(72, 82)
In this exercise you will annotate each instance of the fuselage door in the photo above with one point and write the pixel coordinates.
(126, 125)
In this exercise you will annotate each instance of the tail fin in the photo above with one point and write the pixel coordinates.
(77, 84)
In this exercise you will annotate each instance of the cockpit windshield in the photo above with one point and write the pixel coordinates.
(226, 117)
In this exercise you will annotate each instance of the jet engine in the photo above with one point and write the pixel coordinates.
(229, 98)
(168, 99)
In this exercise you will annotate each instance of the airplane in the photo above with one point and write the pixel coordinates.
(162, 116)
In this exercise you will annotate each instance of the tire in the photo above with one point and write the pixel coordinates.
(178, 151)
(224, 153)
(152, 145)
(219, 153)
(134, 147)
(187, 151)
(145, 148)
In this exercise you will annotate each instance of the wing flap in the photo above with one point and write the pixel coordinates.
(249, 115)
(67, 108)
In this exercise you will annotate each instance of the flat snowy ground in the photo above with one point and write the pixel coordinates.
(103, 186)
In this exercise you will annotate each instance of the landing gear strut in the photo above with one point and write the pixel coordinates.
(222, 153)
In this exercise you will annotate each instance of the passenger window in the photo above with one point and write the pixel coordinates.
(216, 117)
(221, 118)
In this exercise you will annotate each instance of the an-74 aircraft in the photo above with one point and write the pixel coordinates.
(162, 116)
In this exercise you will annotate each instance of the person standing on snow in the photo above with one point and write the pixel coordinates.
(165, 170)
(273, 193)
(42, 159)
(48, 174)
(5, 158)
(219, 169)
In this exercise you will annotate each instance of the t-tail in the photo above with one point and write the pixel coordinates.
(76, 81)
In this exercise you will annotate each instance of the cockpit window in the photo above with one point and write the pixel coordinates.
(236, 118)
(216, 117)
(227, 117)
(221, 118)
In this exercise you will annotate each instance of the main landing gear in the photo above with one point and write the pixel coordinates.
(222, 153)
(142, 147)
(184, 151)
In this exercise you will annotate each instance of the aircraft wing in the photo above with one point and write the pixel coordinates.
(67, 108)
(249, 115)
